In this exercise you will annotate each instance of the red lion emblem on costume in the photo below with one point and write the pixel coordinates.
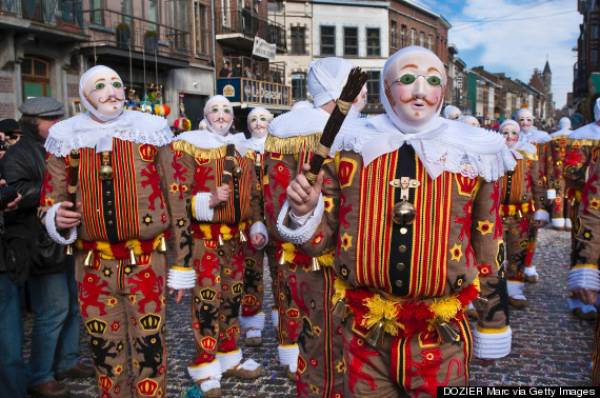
(90, 290)
(151, 287)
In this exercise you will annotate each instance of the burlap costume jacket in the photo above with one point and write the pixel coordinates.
(522, 191)
(121, 264)
(555, 164)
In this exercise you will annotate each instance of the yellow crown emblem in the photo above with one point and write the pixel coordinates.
(150, 322)
(96, 326)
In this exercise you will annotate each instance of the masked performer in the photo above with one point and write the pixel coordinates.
(519, 199)
(102, 195)
(253, 317)
(411, 210)
(452, 112)
(530, 134)
(557, 152)
(215, 205)
(582, 155)
(306, 324)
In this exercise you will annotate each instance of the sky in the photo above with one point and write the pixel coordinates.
(515, 36)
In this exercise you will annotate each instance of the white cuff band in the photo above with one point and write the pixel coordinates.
(558, 222)
(541, 215)
(50, 222)
(210, 370)
(288, 356)
(275, 319)
(551, 194)
(201, 210)
(253, 322)
(181, 278)
(568, 223)
(229, 360)
(491, 345)
(515, 290)
(530, 271)
(303, 233)
(260, 228)
(583, 278)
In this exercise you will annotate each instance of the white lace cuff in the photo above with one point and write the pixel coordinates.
(253, 322)
(515, 290)
(181, 278)
(229, 360)
(551, 194)
(201, 210)
(302, 233)
(492, 343)
(584, 277)
(288, 356)
(541, 215)
(210, 370)
(50, 222)
(260, 228)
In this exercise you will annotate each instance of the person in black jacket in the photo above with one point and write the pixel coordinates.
(51, 284)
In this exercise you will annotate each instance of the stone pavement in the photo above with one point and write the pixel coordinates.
(550, 347)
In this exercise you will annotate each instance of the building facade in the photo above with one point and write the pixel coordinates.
(161, 49)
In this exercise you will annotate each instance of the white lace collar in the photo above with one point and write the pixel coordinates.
(81, 131)
(450, 146)
(590, 131)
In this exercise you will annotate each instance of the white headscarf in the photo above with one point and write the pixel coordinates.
(406, 127)
(452, 112)
(302, 105)
(205, 123)
(326, 78)
(470, 120)
(564, 127)
(89, 74)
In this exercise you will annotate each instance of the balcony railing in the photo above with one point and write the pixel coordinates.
(250, 68)
(65, 13)
(249, 24)
(111, 28)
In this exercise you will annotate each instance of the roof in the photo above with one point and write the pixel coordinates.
(356, 3)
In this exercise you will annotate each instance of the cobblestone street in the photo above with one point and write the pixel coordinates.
(550, 346)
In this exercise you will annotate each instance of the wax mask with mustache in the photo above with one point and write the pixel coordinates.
(258, 121)
(525, 119)
(414, 84)
(219, 114)
(511, 134)
(102, 93)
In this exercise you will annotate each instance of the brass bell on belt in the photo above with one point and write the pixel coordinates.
(282, 259)
(132, 259)
(315, 266)
(447, 333)
(221, 242)
(162, 246)
(106, 172)
(69, 250)
(88, 258)
(243, 238)
(404, 213)
(339, 309)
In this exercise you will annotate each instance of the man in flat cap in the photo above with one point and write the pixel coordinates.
(52, 288)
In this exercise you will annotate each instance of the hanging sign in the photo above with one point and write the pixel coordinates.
(264, 49)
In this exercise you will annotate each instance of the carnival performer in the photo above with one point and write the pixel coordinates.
(310, 341)
(411, 210)
(556, 194)
(215, 205)
(452, 112)
(519, 199)
(582, 155)
(584, 277)
(470, 120)
(529, 133)
(252, 318)
(102, 195)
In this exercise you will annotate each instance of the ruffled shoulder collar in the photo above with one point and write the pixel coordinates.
(536, 136)
(299, 122)
(81, 131)
(450, 146)
(590, 131)
(204, 139)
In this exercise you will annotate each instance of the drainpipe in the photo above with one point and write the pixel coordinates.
(214, 43)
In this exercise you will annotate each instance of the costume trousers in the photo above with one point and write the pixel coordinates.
(252, 302)
(217, 297)
(123, 309)
(518, 240)
(596, 356)
(320, 363)
(405, 367)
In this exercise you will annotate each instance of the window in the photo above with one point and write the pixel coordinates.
(298, 86)
(201, 29)
(298, 34)
(152, 10)
(403, 36)
(350, 41)
(96, 14)
(394, 34)
(422, 39)
(35, 77)
(327, 40)
(225, 17)
(595, 31)
(373, 87)
(413, 37)
(430, 42)
(594, 56)
(373, 42)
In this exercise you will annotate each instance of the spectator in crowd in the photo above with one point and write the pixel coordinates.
(48, 272)
(226, 71)
(237, 70)
(9, 134)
